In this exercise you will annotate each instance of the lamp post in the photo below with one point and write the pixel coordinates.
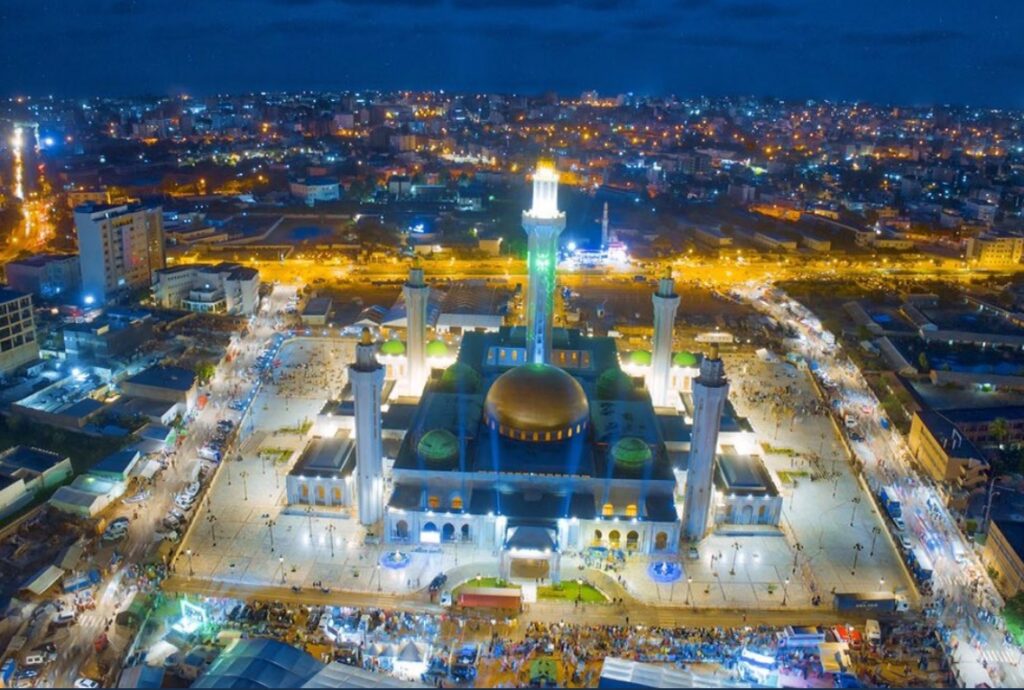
(270, 528)
(212, 519)
(785, 591)
(191, 572)
(857, 548)
(875, 531)
(330, 532)
(245, 487)
(309, 514)
(853, 515)
(689, 590)
(280, 561)
(380, 585)
(736, 552)
(797, 548)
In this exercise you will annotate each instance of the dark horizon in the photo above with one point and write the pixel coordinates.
(915, 54)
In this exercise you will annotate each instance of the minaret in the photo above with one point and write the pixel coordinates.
(367, 379)
(417, 293)
(604, 228)
(710, 390)
(543, 224)
(666, 302)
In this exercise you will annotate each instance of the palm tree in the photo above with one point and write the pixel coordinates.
(1000, 430)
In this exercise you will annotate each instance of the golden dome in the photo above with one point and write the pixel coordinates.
(537, 402)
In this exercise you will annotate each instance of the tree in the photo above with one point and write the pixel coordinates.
(205, 371)
(1000, 430)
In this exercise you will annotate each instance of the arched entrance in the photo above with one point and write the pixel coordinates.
(632, 540)
(448, 532)
(429, 534)
(598, 537)
(660, 541)
(747, 515)
(402, 530)
(613, 538)
(465, 533)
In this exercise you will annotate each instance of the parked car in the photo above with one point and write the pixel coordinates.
(86, 683)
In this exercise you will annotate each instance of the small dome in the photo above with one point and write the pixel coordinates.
(630, 454)
(614, 384)
(684, 359)
(460, 378)
(537, 402)
(392, 347)
(438, 448)
(437, 348)
(640, 358)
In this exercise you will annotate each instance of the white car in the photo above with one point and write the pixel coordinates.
(86, 683)
(171, 536)
(446, 599)
(191, 490)
(35, 660)
(184, 502)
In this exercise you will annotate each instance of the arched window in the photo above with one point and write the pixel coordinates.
(433, 502)
(631, 510)
(632, 540)
(337, 495)
(597, 537)
(304, 492)
(456, 502)
(608, 510)
(760, 515)
(613, 538)
(660, 541)
(320, 493)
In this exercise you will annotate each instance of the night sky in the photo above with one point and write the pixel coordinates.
(903, 51)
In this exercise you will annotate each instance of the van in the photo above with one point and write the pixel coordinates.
(872, 631)
(35, 660)
(65, 617)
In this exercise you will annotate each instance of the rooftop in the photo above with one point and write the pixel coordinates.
(174, 378)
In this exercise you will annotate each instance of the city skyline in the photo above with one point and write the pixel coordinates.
(914, 54)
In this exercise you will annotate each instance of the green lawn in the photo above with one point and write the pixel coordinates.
(570, 591)
(1013, 614)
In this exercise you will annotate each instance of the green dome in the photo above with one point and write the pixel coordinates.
(460, 378)
(437, 348)
(684, 359)
(438, 448)
(630, 454)
(640, 358)
(392, 347)
(615, 384)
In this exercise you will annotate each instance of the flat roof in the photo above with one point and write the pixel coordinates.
(173, 378)
(737, 473)
(28, 458)
(327, 457)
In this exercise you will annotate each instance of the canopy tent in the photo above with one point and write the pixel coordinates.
(44, 579)
(339, 675)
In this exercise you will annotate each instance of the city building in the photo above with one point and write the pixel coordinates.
(168, 384)
(18, 344)
(323, 474)
(1004, 554)
(25, 471)
(119, 248)
(314, 190)
(994, 250)
(46, 276)
(108, 340)
(947, 455)
(224, 288)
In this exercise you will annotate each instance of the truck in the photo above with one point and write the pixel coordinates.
(891, 504)
(80, 582)
(491, 597)
(920, 564)
(870, 602)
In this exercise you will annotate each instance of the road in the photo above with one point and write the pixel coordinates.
(964, 596)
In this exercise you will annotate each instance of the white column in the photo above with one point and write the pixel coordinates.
(367, 378)
(710, 391)
(417, 294)
(666, 302)
(543, 224)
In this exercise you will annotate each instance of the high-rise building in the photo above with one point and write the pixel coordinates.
(18, 345)
(367, 379)
(666, 302)
(417, 293)
(543, 224)
(710, 390)
(119, 248)
(49, 276)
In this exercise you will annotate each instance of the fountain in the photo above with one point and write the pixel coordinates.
(394, 560)
(665, 571)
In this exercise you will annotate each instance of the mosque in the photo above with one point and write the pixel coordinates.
(535, 441)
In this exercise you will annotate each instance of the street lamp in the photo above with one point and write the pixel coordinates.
(797, 548)
(270, 528)
(380, 586)
(330, 532)
(853, 515)
(280, 561)
(875, 531)
(245, 487)
(785, 591)
(309, 514)
(689, 589)
(736, 552)
(211, 518)
(857, 548)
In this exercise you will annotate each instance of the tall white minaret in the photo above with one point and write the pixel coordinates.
(666, 302)
(417, 293)
(367, 378)
(710, 390)
(543, 224)
(604, 228)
